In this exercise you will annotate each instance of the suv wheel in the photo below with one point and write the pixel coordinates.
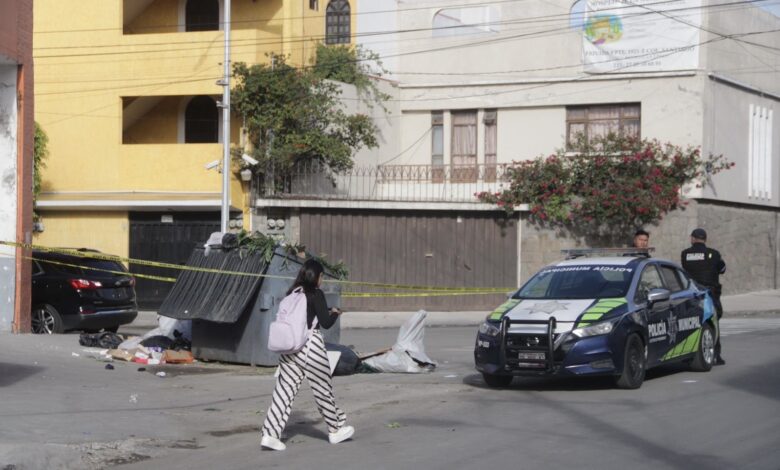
(634, 364)
(46, 320)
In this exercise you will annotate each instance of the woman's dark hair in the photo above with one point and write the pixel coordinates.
(307, 276)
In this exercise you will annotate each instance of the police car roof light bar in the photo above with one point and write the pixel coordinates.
(572, 253)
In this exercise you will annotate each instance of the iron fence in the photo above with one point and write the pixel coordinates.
(419, 183)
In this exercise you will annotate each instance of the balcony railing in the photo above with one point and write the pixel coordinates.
(445, 183)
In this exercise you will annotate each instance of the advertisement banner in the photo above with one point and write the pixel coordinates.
(641, 35)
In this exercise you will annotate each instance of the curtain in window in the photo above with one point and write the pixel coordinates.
(464, 146)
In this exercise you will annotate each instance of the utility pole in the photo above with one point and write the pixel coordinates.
(226, 123)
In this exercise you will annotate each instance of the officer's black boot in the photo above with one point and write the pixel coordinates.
(718, 360)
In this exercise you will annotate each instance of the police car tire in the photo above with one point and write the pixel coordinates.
(634, 364)
(699, 363)
(497, 381)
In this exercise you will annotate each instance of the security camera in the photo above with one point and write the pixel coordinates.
(249, 159)
(212, 165)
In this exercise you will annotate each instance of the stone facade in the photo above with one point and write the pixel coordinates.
(747, 237)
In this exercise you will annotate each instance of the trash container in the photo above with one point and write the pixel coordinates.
(231, 314)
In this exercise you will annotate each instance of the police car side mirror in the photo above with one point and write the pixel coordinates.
(658, 299)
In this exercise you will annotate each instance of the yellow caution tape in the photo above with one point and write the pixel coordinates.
(102, 256)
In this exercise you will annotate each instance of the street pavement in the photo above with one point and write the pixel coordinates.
(63, 411)
(764, 303)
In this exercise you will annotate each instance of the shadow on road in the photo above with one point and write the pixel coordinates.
(12, 373)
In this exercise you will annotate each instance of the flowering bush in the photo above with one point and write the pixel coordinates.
(612, 182)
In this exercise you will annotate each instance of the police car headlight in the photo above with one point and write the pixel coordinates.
(602, 328)
(489, 329)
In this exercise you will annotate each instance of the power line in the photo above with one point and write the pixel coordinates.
(314, 38)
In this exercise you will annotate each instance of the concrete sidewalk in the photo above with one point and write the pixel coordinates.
(754, 303)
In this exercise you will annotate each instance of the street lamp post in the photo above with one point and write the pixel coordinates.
(226, 124)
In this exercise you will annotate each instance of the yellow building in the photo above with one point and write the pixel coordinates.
(127, 92)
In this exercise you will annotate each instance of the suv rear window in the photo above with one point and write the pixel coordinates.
(81, 266)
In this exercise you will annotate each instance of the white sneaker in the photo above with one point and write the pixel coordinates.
(272, 443)
(341, 435)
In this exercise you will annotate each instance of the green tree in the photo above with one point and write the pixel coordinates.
(354, 65)
(40, 152)
(613, 184)
(293, 116)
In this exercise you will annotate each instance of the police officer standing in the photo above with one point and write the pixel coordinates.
(705, 267)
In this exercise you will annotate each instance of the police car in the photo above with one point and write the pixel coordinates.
(600, 312)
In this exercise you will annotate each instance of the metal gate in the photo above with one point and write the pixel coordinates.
(169, 238)
(436, 248)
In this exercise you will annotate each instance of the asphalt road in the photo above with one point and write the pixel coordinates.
(67, 412)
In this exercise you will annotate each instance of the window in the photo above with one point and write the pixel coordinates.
(650, 279)
(595, 121)
(686, 281)
(314, 5)
(577, 14)
(467, 20)
(491, 141)
(760, 153)
(464, 146)
(673, 282)
(201, 121)
(437, 146)
(337, 22)
(202, 15)
(36, 268)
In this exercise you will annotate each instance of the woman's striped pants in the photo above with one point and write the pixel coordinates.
(311, 361)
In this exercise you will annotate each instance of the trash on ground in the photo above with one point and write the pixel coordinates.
(345, 363)
(408, 353)
(109, 367)
(160, 374)
(393, 425)
(134, 398)
(107, 340)
(177, 357)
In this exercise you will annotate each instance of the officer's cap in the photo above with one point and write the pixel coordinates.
(699, 233)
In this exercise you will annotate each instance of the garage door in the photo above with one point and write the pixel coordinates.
(472, 249)
(169, 238)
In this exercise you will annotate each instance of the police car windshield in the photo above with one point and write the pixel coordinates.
(578, 282)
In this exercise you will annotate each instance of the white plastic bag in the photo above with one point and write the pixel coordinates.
(408, 353)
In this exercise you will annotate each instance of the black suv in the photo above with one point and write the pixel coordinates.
(72, 292)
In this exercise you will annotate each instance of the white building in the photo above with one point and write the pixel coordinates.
(482, 84)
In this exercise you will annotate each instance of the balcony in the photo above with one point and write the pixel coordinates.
(412, 183)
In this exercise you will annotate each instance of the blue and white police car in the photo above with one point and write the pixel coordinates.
(606, 315)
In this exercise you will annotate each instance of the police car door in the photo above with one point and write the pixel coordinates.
(658, 317)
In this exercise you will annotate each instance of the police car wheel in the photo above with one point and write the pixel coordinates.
(705, 356)
(634, 364)
(497, 381)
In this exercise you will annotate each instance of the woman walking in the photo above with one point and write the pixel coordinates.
(311, 362)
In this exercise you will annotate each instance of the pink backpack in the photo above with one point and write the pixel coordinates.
(289, 333)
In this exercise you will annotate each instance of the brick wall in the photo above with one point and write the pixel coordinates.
(16, 28)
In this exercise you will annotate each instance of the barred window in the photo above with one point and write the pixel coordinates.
(600, 120)
(201, 121)
(337, 27)
(202, 15)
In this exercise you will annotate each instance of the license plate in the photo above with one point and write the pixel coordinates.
(531, 356)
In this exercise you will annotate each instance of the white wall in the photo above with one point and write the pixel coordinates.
(532, 118)
(376, 19)
(727, 132)
(386, 120)
(8, 192)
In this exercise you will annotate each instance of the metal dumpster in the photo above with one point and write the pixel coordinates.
(231, 314)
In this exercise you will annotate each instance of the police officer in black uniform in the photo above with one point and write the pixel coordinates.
(705, 266)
